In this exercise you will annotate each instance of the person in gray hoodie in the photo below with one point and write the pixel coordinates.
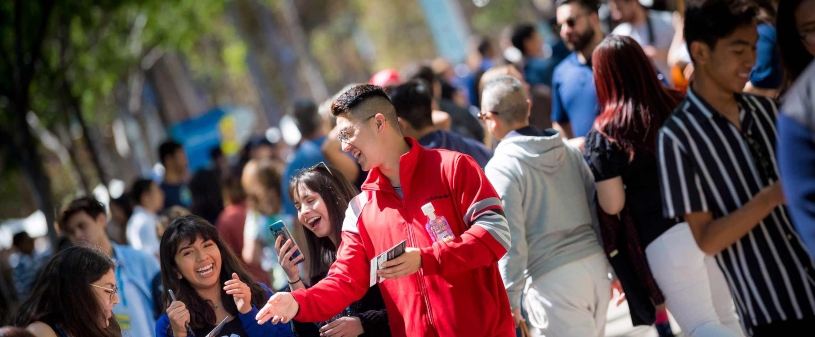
(547, 191)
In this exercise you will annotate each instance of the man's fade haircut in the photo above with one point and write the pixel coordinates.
(86, 204)
(345, 105)
(413, 102)
(168, 148)
(593, 6)
(709, 21)
(506, 98)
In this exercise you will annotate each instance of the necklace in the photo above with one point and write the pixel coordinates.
(216, 306)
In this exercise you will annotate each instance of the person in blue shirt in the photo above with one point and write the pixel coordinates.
(176, 174)
(209, 284)
(309, 152)
(414, 111)
(28, 266)
(537, 68)
(796, 154)
(766, 76)
(83, 221)
(574, 98)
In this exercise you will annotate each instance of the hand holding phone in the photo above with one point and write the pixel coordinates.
(279, 230)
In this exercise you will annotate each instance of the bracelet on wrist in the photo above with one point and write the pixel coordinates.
(295, 282)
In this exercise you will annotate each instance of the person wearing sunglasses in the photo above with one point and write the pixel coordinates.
(321, 197)
(574, 99)
(716, 158)
(83, 221)
(74, 296)
(436, 287)
(205, 283)
(555, 254)
(262, 183)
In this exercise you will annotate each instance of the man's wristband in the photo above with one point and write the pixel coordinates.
(295, 282)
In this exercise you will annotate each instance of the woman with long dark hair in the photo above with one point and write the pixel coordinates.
(321, 198)
(796, 37)
(621, 151)
(210, 285)
(73, 297)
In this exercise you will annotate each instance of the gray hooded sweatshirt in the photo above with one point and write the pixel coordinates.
(547, 192)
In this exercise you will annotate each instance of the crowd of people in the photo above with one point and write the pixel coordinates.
(670, 160)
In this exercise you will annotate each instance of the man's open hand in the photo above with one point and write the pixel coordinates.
(281, 307)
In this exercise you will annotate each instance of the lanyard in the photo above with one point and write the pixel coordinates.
(119, 282)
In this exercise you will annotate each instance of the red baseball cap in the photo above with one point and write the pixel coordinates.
(385, 77)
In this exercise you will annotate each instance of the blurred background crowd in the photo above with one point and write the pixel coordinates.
(149, 105)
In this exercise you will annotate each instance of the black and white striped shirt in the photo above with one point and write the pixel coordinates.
(707, 165)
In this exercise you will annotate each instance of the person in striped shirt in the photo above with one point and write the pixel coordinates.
(716, 158)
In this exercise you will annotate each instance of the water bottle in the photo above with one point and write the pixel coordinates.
(437, 226)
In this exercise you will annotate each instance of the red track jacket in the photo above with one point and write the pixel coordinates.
(458, 291)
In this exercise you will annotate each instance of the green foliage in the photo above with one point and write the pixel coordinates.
(398, 30)
(491, 19)
(88, 50)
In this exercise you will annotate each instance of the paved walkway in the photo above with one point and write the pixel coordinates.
(618, 323)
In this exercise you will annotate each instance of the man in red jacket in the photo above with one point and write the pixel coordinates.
(436, 288)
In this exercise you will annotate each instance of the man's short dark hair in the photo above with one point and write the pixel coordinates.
(167, 148)
(413, 103)
(591, 5)
(306, 117)
(355, 96)
(709, 21)
(89, 205)
(18, 238)
(481, 44)
(418, 70)
(140, 187)
(520, 33)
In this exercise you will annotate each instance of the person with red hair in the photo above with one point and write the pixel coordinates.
(621, 151)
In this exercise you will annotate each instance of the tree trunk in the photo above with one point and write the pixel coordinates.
(83, 182)
(24, 146)
(308, 68)
(24, 151)
(76, 110)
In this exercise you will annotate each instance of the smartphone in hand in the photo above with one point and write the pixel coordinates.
(279, 229)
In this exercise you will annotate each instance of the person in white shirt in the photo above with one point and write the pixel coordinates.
(141, 228)
(653, 30)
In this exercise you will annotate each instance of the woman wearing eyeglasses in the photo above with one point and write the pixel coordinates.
(321, 198)
(209, 285)
(74, 296)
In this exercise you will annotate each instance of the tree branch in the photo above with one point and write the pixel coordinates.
(36, 45)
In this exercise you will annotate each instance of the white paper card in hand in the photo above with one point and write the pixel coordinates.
(390, 254)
